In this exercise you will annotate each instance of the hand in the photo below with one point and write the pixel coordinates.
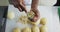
(19, 4)
(37, 15)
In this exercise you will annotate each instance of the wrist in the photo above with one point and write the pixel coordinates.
(34, 9)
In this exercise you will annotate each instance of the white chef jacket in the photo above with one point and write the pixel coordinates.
(43, 2)
(28, 2)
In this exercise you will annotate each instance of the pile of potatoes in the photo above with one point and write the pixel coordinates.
(34, 28)
(24, 20)
(27, 29)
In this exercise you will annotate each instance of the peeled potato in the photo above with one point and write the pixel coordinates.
(35, 29)
(11, 15)
(30, 14)
(17, 30)
(43, 28)
(43, 21)
(27, 29)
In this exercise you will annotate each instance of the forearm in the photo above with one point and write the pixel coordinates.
(34, 4)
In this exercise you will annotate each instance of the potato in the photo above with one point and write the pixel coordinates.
(43, 21)
(11, 15)
(35, 29)
(17, 30)
(43, 28)
(27, 29)
(30, 14)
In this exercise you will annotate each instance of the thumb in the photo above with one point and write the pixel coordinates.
(20, 9)
(35, 18)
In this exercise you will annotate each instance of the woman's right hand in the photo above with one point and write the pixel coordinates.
(37, 14)
(19, 4)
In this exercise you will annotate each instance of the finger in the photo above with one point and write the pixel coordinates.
(23, 8)
(35, 18)
(20, 4)
(23, 2)
(15, 3)
(20, 9)
(36, 12)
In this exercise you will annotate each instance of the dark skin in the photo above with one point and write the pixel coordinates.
(21, 6)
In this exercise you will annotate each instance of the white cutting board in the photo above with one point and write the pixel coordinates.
(49, 12)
